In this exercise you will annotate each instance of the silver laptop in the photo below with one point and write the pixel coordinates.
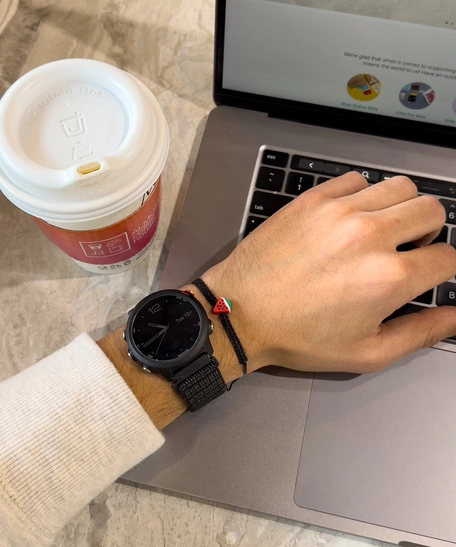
(307, 90)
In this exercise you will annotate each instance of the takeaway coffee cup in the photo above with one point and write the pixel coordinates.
(82, 148)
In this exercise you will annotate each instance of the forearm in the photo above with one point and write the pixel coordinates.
(154, 393)
(69, 427)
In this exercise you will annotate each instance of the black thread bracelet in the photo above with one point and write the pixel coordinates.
(226, 323)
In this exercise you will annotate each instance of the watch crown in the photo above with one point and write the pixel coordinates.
(211, 327)
(132, 357)
(123, 335)
(146, 369)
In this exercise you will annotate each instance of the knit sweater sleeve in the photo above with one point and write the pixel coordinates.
(69, 426)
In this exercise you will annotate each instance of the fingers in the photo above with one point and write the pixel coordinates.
(385, 194)
(404, 335)
(411, 217)
(411, 220)
(408, 216)
(427, 239)
(346, 185)
(405, 215)
(425, 268)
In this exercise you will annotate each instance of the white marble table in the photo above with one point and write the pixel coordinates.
(46, 300)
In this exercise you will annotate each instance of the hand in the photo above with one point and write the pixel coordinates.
(312, 286)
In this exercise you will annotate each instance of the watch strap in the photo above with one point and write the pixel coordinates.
(203, 386)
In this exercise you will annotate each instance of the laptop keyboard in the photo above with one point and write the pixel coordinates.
(281, 175)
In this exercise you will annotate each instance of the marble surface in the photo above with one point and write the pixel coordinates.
(46, 299)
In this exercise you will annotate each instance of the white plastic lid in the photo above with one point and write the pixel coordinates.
(79, 139)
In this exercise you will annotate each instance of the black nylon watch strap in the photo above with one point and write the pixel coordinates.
(203, 386)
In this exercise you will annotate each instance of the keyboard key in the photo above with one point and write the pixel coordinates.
(442, 237)
(453, 238)
(435, 187)
(425, 298)
(298, 183)
(276, 159)
(387, 176)
(369, 174)
(336, 169)
(428, 186)
(446, 294)
(267, 204)
(270, 179)
(307, 164)
(321, 180)
(251, 224)
(450, 208)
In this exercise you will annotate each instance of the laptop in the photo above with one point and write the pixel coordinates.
(307, 90)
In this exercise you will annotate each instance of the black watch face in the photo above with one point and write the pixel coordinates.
(166, 327)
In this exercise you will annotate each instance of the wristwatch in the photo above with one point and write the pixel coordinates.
(168, 332)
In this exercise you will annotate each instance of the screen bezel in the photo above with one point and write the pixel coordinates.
(336, 118)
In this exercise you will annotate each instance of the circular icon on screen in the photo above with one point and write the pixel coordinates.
(453, 106)
(364, 87)
(416, 96)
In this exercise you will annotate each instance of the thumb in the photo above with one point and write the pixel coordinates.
(422, 329)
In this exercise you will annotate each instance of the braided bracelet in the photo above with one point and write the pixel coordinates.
(222, 307)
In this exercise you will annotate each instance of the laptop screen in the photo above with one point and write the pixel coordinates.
(387, 58)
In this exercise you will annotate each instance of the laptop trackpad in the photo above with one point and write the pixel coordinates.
(381, 448)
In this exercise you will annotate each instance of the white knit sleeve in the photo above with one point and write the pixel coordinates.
(69, 426)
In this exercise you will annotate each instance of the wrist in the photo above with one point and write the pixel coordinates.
(229, 366)
(243, 324)
(157, 395)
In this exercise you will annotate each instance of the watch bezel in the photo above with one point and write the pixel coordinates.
(201, 344)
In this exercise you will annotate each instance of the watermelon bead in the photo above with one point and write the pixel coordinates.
(222, 306)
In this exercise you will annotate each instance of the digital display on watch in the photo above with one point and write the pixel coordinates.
(166, 327)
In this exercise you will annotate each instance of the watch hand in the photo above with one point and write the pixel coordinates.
(157, 326)
(158, 347)
(159, 333)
